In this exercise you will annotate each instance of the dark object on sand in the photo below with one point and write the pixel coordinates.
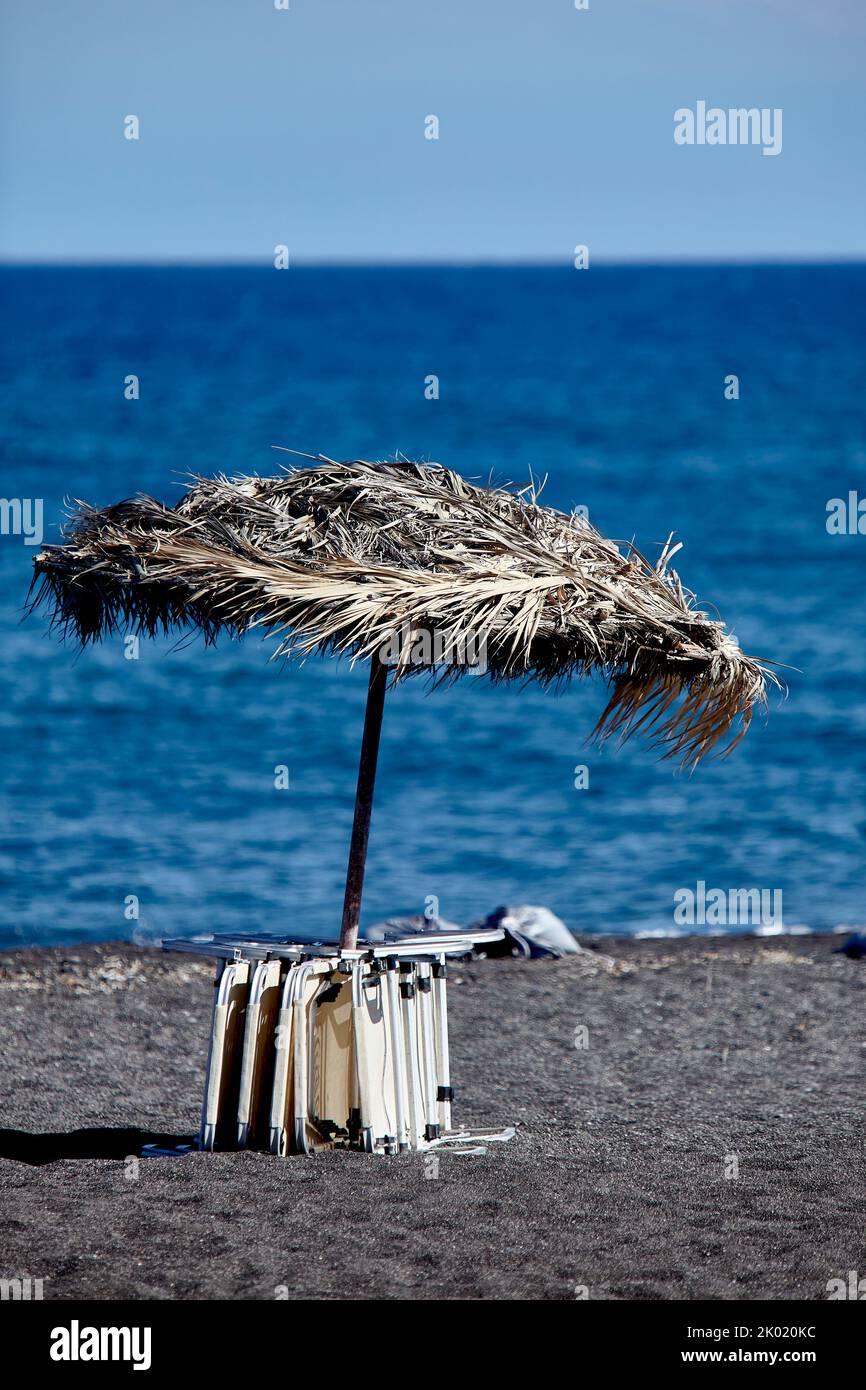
(531, 932)
(854, 948)
(380, 561)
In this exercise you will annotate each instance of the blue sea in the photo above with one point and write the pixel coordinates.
(152, 781)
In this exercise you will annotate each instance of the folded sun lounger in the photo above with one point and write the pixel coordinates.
(259, 1053)
(314, 1048)
(222, 1085)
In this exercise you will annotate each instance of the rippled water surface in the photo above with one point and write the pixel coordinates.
(155, 778)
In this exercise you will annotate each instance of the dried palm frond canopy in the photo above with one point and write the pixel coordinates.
(363, 558)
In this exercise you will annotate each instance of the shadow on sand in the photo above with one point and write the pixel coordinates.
(118, 1144)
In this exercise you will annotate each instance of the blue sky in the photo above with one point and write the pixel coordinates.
(306, 127)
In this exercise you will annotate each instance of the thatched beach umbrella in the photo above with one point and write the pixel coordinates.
(408, 564)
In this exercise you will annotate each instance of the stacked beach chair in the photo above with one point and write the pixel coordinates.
(313, 1047)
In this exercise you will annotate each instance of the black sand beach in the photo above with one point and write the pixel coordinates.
(698, 1050)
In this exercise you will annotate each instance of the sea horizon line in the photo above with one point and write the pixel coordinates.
(443, 263)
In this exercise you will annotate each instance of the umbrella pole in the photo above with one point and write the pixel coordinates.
(363, 803)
